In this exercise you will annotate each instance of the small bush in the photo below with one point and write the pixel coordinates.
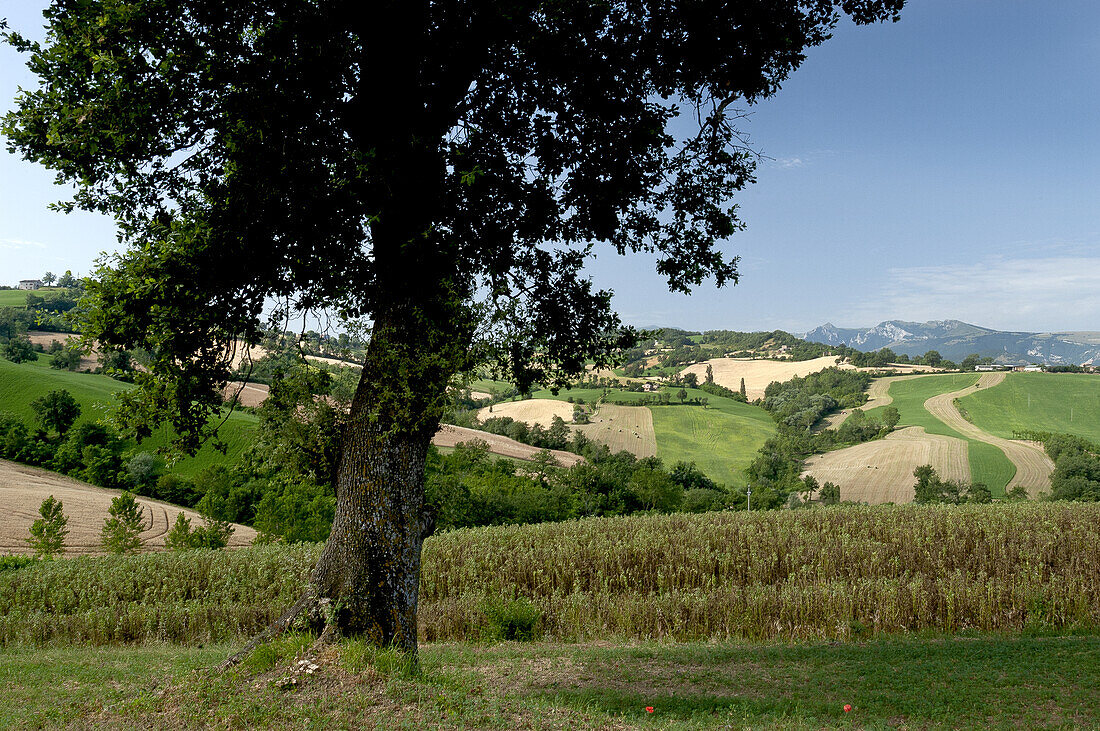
(282, 648)
(13, 563)
(517, 620)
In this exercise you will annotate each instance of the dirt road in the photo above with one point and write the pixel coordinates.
(1033, 467)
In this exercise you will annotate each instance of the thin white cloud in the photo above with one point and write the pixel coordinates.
(786, 163)
(1034, 294)
(18, 244)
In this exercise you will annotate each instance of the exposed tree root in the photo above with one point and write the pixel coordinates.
(309, 606)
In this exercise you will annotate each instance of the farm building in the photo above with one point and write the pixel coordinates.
(29, 284)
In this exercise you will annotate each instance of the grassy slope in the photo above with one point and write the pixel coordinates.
(721, 439)
(988, 464)
(18, 297)
(1058, 402)
(917, 682)
(24, 382)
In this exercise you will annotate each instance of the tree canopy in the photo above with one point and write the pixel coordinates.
(441, 168)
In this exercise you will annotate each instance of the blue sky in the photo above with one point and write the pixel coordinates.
(944, 167)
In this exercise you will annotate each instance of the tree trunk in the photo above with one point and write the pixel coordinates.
(370, 567)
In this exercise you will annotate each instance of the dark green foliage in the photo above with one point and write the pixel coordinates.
(516, 620)
(125, 522)
(14, 563)
(65, 358)
(57, 410)
(931, 489)
(18, 349)
(295, 512)
(48, 531)
(93, 452)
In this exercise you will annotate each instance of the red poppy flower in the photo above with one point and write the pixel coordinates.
(847, 707)
(649, 709)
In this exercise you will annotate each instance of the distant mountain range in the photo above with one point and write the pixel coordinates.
(955, 340)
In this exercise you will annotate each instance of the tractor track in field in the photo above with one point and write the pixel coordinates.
(1033, 466)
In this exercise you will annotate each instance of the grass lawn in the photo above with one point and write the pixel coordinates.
(21, 383)
(1057, 402)
(988, 464)
(914, 682)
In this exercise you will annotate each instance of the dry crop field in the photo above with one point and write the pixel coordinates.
(449, 436)
(23, 488)
(623, 428)
(530, 411)
(758, 374)
(882, 471)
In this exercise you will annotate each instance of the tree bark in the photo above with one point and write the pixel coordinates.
(370, 566)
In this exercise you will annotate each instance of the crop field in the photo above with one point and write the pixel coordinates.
(1056, 402)
(881, 471)
(721, 439)
(758, 374)
(988, 464)
(18, 297)
(1031, 466)
(623, 428)
(815, 574)
(530, 411)
(21, 383)
(23, 488)
(909, 616)
(449, 436)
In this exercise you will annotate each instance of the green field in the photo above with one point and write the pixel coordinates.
(721, 439)
(24, 382)
(18, 297)
(911, 682)
(1056, 402)
(988, 464)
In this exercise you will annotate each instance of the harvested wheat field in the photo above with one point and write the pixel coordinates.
(623, 428)
(1033, 466)
(46, 338)
(758, 374)
(449, 436)
(882, 471)
(23, 488)
(530, 411)
(248, 394)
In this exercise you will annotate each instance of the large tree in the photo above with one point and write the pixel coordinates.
(441, 168)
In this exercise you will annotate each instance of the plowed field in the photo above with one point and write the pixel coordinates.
(23, 488)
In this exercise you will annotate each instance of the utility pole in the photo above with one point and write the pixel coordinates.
(750, 497)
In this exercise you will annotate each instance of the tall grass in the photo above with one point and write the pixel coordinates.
(825, 573)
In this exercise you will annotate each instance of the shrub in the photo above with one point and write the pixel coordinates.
(48, 532)
(18, 350)
(517, 620)
(122, 529)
